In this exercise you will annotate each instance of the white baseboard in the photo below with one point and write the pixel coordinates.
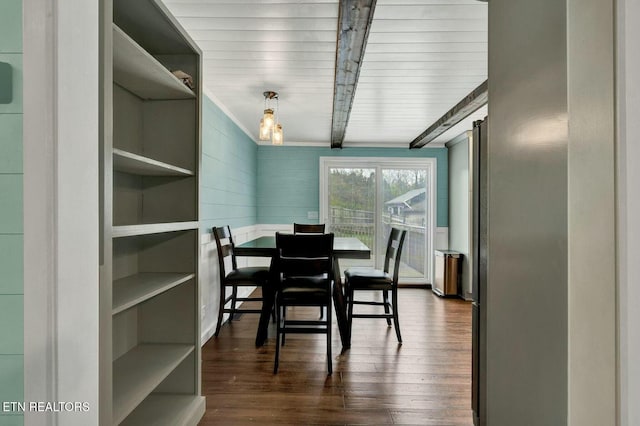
(207, 334)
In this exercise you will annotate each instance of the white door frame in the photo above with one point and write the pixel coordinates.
(628, 206)
(378, 163)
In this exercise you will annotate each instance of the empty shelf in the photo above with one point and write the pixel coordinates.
(138, 372)
(134, 289)
(151, 228)
(128, 162)
(142, 74)
(167, 410)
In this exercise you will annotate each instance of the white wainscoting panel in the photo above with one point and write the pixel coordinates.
(209, 285)
(442, 238)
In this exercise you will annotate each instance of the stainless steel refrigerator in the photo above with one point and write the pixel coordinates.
(479, 206)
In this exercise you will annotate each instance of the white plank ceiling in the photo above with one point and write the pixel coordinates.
(422, 57)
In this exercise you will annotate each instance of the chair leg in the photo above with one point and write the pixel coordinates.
(321, 312)
(394, 295)
(234, 295)
(277, 358)
(220, 310)
(284, 320)
(329, 356)
(385, 298)
(350, 309)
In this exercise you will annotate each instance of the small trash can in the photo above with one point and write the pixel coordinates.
(447, 272)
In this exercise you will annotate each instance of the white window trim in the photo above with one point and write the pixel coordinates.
(430, 164)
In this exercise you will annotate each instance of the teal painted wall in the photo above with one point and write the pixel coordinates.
(288, 179)
(228, 186)
(11, 234)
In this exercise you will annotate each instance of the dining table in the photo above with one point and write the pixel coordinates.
(343, 248)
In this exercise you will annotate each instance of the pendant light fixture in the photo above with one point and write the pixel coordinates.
(278, 136)
(270, 127)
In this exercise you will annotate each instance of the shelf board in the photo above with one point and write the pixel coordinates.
(132, 290)
(140, 73)
(138, 372)
(167, 410)
(128, 162)
(151, 228)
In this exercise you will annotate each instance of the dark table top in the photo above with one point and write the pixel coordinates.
(343, 247)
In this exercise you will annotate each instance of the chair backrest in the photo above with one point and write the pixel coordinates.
(394, 251)
(304, 255)
(225, 246)
(308, 228)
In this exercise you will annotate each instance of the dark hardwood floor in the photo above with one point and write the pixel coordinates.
(425, 381)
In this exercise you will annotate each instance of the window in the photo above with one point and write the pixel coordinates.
(365, 197)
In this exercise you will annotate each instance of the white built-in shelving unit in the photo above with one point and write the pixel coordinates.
(149, 330)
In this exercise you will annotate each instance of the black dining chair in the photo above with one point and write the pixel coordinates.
(308, 228)
(234, 277)
(304, 265)
(359, 278)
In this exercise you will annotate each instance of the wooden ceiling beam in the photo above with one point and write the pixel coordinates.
(474, 100)
(354, 23)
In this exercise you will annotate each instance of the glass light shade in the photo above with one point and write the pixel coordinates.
(268, 118)
(265, 132)
(278, 135)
